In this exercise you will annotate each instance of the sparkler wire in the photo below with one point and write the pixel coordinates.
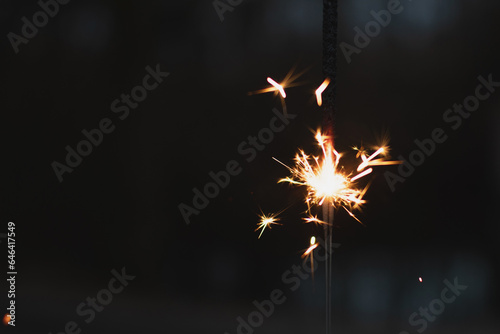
(330, 24)
(330, 19)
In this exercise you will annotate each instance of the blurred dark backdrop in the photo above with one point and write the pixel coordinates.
(119, 208)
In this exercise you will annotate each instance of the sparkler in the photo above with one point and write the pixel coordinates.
(329, 186)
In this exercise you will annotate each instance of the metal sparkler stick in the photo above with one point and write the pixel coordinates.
(330, 18)
(329, 186)
(328, 228)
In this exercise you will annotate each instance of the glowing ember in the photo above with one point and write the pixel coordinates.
(320, 91)
(6, 319)
(420, 279)
(267, 220)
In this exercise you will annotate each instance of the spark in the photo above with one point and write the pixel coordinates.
(420, 279)
(277, 86)
(287, 82)
(320, 91)
(309, 253)
(326, 180)
(267, 220)
(314, 219)
(360, 175)
(311, 248)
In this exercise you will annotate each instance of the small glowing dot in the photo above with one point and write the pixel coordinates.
(420, 279)
(313, 240)
(6, 319)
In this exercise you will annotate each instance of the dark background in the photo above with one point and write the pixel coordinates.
(119, 208)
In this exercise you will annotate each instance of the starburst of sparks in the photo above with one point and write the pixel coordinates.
(326, 180)
(267, 221)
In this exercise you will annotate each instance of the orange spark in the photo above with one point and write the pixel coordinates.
(311, 248)
(277, 86)
(315, 220)
(320, 91)
(309, 252)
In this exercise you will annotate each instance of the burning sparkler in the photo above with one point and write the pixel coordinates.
(329, 186)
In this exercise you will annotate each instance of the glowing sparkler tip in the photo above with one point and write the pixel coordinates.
(326, 181)
(313, 240)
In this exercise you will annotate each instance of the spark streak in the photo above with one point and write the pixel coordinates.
(309, 253)
(315, 220)
(320, 91)
(311, 248)
(277, 86)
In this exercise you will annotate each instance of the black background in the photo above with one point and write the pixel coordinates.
(119, 208)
